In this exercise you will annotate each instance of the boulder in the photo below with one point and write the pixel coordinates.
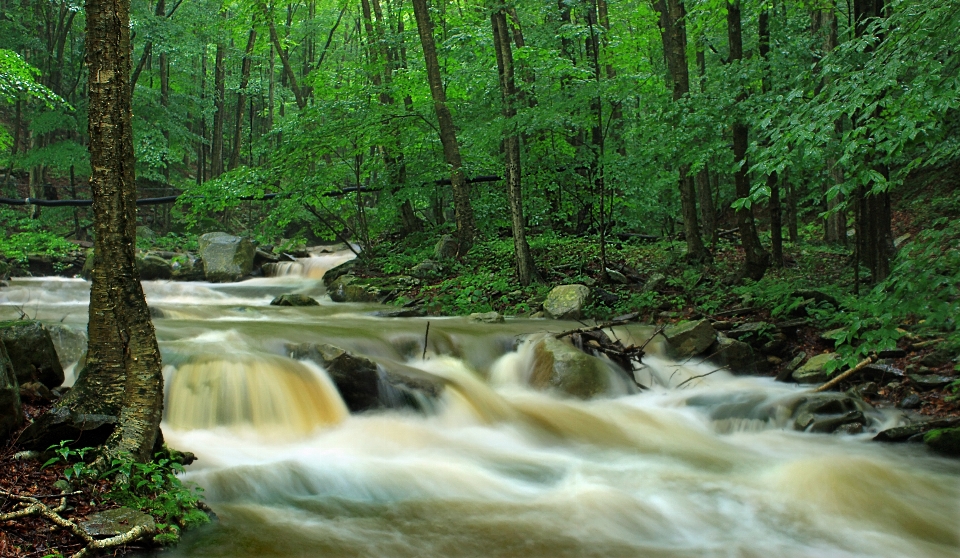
(115, 522)
(225, 257)
(566, 302)
(11, 413)
(752, 332)
(366, 386)
(826, 412)
(348, 288)
(346, 268)
(425, 268)
(814, 371)
(617, 277)
(560, 366)
(186, 267)
(687, 339)
(944, 440)
(486, 317)
(36, 392)
(931, 381)
(153, 267)
(736, 356)
(446, 248)
(654, 282)
(32, 352)
(60, 423)
(294, 300)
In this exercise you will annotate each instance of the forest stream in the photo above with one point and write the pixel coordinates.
(689, 467)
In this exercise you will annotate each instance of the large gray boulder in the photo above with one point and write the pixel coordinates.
(11, 414)
(566, 302)
(736, 356)
(814, 371)
(225, 257)
(560, 366)
(688, 339)
(32, 352)
(366, 386)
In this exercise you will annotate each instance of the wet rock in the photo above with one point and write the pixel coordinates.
(931, 381)
(346, 268)
(11, 413)
(911, 401)
(736, 356)
(814, 371)
(187, 267)
(723, 325)
(945, 441)
(487, 317)
(84, 430)
(426, 268)
(225, 257)
(826, 412)
(446, 248)
(412, 312)
(31, 352)
(870, 389)
(906, 432)
(560, 366)
(850, 428)
(154, 268)
(880, 372)
(566, 302)
(116, 522)
(366, 386)
(36, 392)
(349, 288)
(688, 339)
(294, 300)
(603, 296)
(775, 345)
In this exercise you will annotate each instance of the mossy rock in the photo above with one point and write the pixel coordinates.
(32, 352)
(559, 365)
(566, 302)
(814, 371)
(944, 440)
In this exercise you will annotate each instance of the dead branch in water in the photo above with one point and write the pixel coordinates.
(593, 340)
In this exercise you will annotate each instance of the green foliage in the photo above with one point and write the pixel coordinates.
(18, 246)
(76, 467)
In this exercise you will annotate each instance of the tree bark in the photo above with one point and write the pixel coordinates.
(298, 93)
(526, 271)
(674, 36)
(756, 260)
(708, 208)
(122, 375)
(773, 182)
(834, 226)
(219, 85)
(466, 227)
(242, 98)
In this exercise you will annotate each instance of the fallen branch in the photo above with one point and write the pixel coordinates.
(37, 507)
(863, 364)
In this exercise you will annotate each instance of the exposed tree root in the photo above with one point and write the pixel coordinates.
(34, 506)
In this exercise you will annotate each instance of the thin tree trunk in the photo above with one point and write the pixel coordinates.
(708, 208)
(773, 182)
(466, 227)
(298, 94)
(756, 260)
(242, 98)
(219, 85)
(526, 270)
(674, 35)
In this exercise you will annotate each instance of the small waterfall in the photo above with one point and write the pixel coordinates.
(272, 394)
(310, 268)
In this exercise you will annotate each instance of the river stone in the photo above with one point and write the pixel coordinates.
(814, 370)
(487, 317)
(826, 412)
(116, 522)
(347, 288)
(736, 356)
(154, 267)
(187, 267)
(566, 302)
(294, 300)
(11, 413)
(364, 385)
(225, 257)
(687, 339)
(560, 366)
(346, 268)
(911, 401)
(945, 441)
(35, 391)
(446, 248)
(32, 352)
(69, 342)
(931, 381)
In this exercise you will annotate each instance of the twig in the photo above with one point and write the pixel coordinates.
(863, 364)
(426, 337)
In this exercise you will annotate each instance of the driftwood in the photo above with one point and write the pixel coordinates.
(33, 506)
(593, 340)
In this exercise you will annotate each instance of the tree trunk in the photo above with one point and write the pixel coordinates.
(219, 85)
(674, 36)
(756, 260)
(122, 375)
(466, 227)
(164, 99)
(834, 226)
(242, 98)
(526, 271)
(708, 208)
(773, 182)
(298, 94)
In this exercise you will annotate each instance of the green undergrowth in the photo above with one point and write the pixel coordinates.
(817, 283)
(154, 488)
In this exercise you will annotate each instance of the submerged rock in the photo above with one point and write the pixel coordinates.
(11, 414)
(32, 352)
(559, 365)
(225, 257)
(736, 356)
(294, 300)
(687, 339)
(566, 302)
(366, 386)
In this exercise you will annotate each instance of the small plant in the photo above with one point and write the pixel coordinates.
(76, 470)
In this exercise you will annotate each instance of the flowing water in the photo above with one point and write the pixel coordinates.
(494, 468)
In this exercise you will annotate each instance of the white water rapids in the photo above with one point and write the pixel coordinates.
(497, 469)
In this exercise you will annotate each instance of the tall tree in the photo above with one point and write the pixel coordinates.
(242, 96)
(526, 271)
(674, 35)
(122, 377)
(773, 180)
(756, 258)
(466, 226)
